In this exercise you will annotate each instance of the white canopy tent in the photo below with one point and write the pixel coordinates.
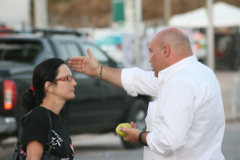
(224, 15)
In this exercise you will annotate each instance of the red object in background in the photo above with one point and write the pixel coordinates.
(3, 28)
(197, 46)
(119, 47)
(9, 94)
(220, 54)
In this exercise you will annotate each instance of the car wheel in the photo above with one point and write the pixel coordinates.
(137, 114)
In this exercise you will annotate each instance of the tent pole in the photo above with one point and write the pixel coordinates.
(167, 11)
(40, 12)
(138, 12)
(210, 36)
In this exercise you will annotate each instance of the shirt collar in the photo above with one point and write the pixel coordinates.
(165, 74)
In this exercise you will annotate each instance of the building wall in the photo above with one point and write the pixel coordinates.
(79, 13)
(97, 13)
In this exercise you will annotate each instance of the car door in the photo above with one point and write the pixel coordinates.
(80, 111)
(111, 111)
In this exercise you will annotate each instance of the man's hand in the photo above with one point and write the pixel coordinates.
(87, 65)
(91, 67)
(133, 133)
(133, 125)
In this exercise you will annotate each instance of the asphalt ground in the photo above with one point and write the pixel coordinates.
(109, 147)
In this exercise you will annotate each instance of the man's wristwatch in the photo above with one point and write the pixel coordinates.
(140, 138)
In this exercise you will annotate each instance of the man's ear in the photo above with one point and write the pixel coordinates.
(48, 87)
(166, 50)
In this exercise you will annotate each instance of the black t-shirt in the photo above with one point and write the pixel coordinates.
(36, 127)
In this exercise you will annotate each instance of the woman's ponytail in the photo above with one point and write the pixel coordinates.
(29, 100)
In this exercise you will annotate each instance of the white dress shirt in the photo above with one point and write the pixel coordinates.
(186, 120)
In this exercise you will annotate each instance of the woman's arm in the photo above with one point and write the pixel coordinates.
(34, 150)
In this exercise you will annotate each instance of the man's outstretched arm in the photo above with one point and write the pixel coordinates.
(91, 67)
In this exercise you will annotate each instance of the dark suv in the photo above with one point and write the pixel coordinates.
(98, 106)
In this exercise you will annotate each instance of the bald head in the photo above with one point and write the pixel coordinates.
(176, 39)
(168, 47)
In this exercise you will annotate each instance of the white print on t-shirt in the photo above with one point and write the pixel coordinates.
(65, 158)
(56, 140)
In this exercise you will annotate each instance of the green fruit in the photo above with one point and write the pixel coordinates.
(123, 134)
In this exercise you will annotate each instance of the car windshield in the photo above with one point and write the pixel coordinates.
(19, 51)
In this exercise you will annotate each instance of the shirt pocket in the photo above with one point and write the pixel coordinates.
(150, 115)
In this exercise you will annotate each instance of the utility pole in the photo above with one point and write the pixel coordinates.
(40, 13)
(129, 13)
(210, 36)
(138, 30)
(167, 11)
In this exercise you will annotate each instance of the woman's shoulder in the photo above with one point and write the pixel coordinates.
(38, 113)
(39, 110)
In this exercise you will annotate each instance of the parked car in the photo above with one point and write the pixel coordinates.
(98, 106)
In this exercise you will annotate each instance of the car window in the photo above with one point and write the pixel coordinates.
(64, 53)
(19, 51)
(73, 50)
(99, 54)
(69, 50)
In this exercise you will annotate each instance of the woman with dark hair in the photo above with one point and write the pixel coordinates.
(52, 86)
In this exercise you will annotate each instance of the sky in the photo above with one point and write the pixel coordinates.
(14, 13)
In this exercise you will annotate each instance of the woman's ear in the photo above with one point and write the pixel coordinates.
(48, 87)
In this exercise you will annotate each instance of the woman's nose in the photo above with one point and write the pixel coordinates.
(74, 83)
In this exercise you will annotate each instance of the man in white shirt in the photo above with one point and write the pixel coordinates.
(186, 120)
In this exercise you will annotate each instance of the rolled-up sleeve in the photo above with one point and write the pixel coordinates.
(136, 81)
(174, 115)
